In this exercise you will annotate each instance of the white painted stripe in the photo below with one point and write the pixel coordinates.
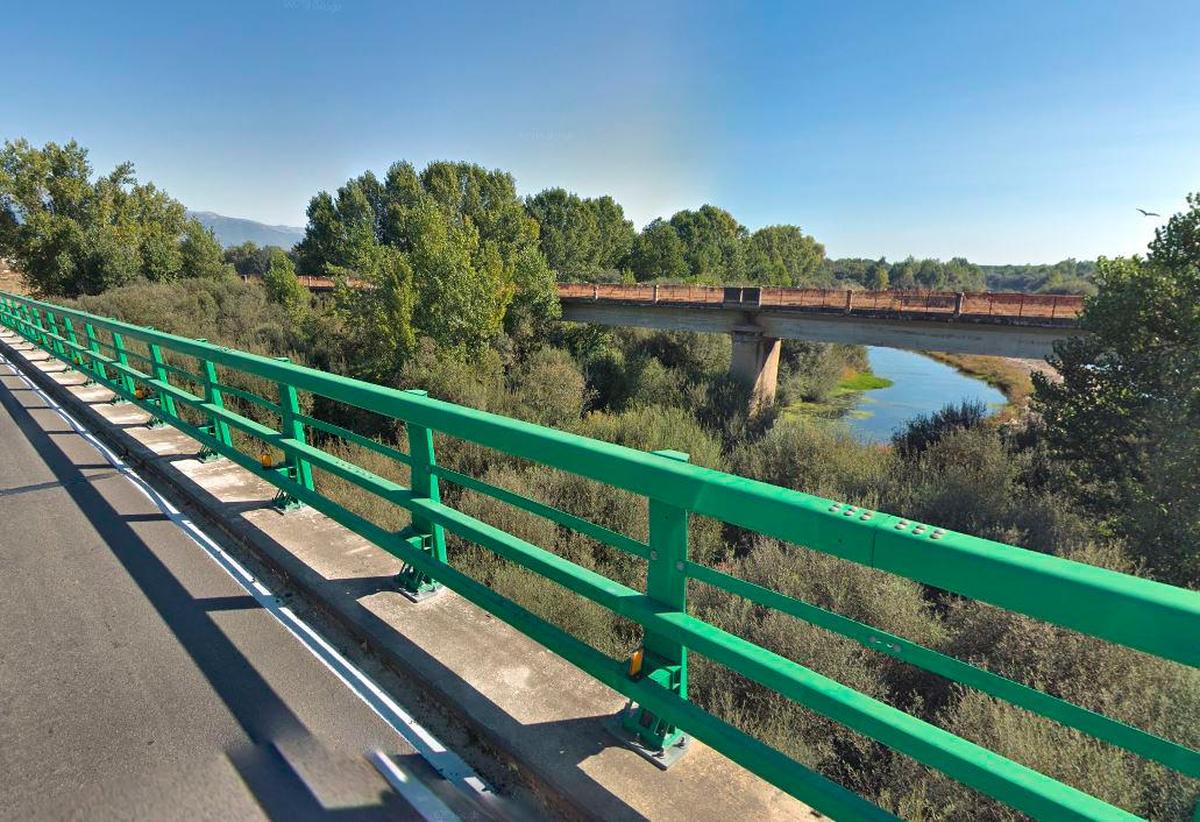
(447, 763)
(423, 800)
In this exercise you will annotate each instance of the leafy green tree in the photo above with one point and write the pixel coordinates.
(282, 284)
(658, 253)
(71, 235)
(569, 231)
(1126, 413)
(249, 259)
(713, 244)
(785, 255)
(201, 254)
(878, 277)
(467, 245)
(616, 234)
(378, 320)
(580, 237)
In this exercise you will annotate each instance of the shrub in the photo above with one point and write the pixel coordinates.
(817, 458)
(924, 430)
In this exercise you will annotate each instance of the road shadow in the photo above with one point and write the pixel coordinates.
(263, 716)
(581, 738)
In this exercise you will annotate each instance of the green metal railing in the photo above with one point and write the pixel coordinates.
(1151, 617)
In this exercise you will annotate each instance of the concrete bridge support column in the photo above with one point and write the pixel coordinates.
(756, 361)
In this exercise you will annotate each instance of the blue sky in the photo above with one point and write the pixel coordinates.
(1003, 132)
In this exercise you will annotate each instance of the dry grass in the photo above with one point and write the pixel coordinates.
(1012, 377)
(11, 279)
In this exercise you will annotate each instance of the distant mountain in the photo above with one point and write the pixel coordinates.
(235, 230)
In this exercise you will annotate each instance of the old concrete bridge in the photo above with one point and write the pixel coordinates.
(1006, 325)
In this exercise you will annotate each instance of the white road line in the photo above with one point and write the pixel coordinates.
(423, 800)
(447, 763)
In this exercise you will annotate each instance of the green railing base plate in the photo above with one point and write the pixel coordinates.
(207, 455)
(415, 586)
(625, 727)
(285, 502)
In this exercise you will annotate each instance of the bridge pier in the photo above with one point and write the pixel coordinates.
(756, 361)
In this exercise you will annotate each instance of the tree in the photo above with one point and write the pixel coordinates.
(784, 255)
(658, 253)
(713, 244)
(569, 232)
(877, 277)
(1126, 413)
(249, 259)
(616, 234)
(71, 235)
(282, 284)
(580, 237)
(456, 235)
(201, 254)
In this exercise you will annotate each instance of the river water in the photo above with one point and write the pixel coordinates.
(919, 386)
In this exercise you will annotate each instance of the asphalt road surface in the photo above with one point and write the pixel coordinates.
(138, 680)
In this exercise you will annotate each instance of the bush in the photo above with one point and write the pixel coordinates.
(817, 458)
(924, 430)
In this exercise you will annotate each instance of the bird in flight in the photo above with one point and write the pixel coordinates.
(1146, 213)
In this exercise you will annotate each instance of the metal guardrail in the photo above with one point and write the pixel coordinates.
(1151, 617)
(1058, 308)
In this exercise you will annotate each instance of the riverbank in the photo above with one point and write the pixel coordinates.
(1011, 376)
(843, 398)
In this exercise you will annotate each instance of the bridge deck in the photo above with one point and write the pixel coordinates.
(1001, 308)
(139, 679)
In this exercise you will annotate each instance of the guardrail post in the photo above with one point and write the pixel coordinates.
(56, 346)
(23, 325)
(165, 402)
(94, 346)
(297, 468)
(27, 324)
(422, 534)
(662, 658)
(73, 342)
(39, 323)
(217, 427)
(124, 381)
(11, 320)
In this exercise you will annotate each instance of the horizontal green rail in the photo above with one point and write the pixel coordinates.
(1147, 616)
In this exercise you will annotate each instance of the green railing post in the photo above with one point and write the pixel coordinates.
(73, 341)
(34, 319)
(42, 340)
(124, 381)
(98, 368)
(297, 468)
(22, 315)
(56, 346)
(27, 325)
(165, 402)
(217, 427)
(662, 658)
(421, 533)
